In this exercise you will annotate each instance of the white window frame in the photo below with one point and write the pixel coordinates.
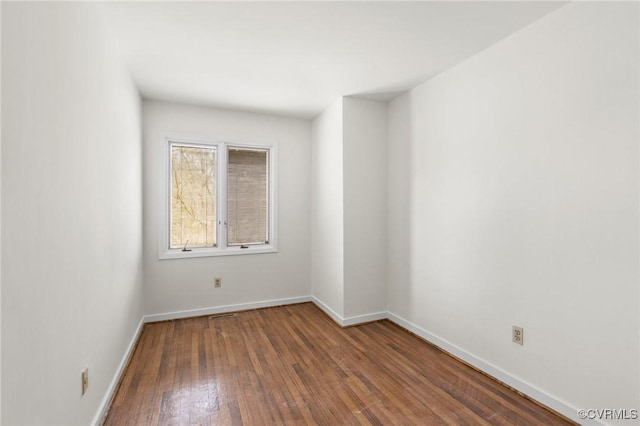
(221, 249)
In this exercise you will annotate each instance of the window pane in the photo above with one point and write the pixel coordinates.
(193, 196)
(248, 196)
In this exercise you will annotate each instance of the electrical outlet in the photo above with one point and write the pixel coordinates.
(517, 335)
(217, 282)
(85, 380)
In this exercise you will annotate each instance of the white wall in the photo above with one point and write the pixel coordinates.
(399, 184)
(348, 209)
(187, 284)
(523, 183)
(0, 217)
(327, 228)
(72, 211)
(365, 203)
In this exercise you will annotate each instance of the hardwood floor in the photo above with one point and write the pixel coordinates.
(292, 365)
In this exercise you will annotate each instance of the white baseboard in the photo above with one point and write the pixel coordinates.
(349, 321)
(490, 369)
(362, 319)
(327, 310)
(225, 308)
(106, 400)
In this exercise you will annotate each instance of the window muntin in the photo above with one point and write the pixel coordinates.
(218, 168)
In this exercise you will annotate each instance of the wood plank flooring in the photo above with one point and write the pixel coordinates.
(292, 365)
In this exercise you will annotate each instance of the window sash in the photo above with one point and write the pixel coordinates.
(195, 243)
(235, 202)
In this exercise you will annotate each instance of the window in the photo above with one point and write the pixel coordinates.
(219, 198)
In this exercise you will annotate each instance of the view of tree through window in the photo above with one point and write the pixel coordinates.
(193, 196)
(248, 196)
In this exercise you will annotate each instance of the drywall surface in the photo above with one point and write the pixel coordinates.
(187, 284)
(520, 166)
(0, 216)
(365, 204)
(399, 184)
(327, 227)
(72, 212)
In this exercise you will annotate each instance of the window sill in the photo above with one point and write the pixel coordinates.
(214, 252)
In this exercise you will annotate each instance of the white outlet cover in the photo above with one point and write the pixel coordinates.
(517, 335)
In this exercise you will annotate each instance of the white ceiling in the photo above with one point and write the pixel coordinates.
(296, 58)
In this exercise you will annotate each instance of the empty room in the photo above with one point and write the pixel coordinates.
(320, 213)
